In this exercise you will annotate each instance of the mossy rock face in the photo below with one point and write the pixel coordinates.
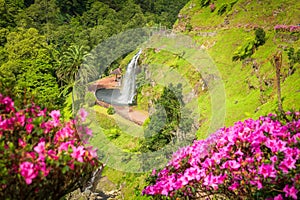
(105, 185)
(105, 190)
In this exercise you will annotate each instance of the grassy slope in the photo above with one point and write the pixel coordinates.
(241, 102)
(127, 141)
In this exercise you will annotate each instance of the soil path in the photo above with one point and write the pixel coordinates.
(128, 112)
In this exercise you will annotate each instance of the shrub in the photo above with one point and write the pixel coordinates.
(260, 36)
(294, 57)
(204, 3)
(40, 156)
(222, 8)
(254, 159)
(189, 27)
(244, 51)
(111, 110)
(249, 47)
(113, 133)
(105, 121)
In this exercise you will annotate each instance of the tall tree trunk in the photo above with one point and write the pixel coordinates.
(277, 63)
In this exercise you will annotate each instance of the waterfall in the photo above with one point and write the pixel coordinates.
(128, 86)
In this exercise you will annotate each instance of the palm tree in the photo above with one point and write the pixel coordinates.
(75, 72)
(71, 61)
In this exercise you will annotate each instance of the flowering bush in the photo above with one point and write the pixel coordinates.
(41, 157)
(254, 159)
(287, 28)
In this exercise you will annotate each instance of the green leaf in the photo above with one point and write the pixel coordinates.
(65, 169)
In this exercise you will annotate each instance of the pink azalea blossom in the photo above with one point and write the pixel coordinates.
(78, 153)
(52, 154)
(249, 153)
(43, 168)
(256, 182)
(234, 186)
(64, 146)
(28, 171)
(278, 197)
(42, 113)
(267, 170)
(20, 117)
(64, 133)
(21, 142)
(274, 159)
(40, 148)
(29, 128)
(290, 191)
(55, 114)
(92, 151)
(9, 104)
(289, 163)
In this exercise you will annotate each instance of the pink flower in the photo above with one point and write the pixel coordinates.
(271, 144)
(234, 186)
(257, 183)
(29, 128)
(166, 189)
(83, 114)
(184, 181)
(281, 145)
(232, 164)
(214, 181)
(42, 113)
(78, 153)
(278, 197)
(64, 133)
(64, 146)
(288, 112)
(20, 118)
(290, 191)
(9, 104)
(21, 143)
(40, 148)
(267, 170)
(52, 154)
(191, 173)
(288, 163)
(55, 114)
(274, 159)
(28, 171)
(92, 151)
(239, 153)
(251, 151)
(42, 167)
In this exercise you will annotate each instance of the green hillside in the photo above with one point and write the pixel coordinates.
(229, 33)
(249, 82)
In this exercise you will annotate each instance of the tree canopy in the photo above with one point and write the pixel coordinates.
(44, 42)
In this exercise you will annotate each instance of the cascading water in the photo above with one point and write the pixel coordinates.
(128, 86)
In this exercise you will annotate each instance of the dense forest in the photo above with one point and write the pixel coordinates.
(43, 43)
